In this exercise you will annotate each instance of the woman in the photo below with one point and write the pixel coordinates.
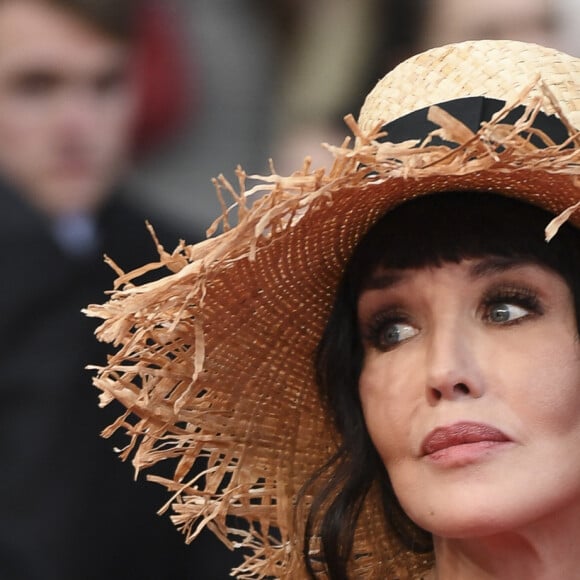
(461, 344)
(413, 285)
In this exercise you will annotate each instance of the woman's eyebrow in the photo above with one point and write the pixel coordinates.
(495, 265)
(384, 279)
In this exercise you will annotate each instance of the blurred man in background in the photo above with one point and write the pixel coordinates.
(69, 102)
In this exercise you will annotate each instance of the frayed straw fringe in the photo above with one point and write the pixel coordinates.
(156, 384)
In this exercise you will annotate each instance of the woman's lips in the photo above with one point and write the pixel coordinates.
(462, 443)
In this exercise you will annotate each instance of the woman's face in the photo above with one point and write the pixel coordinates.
(470, 389)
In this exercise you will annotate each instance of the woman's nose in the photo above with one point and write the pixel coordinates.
(453, 371)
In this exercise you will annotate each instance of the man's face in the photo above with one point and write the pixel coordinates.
(67, 107)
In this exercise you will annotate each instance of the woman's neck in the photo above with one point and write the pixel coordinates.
(542, 551)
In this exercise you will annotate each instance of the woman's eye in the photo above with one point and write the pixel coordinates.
(504, 312)
(394, 333)
(507, 305)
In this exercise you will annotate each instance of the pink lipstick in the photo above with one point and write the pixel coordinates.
(462, 443)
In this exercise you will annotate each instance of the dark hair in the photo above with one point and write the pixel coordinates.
(116, 19)
(427, 231)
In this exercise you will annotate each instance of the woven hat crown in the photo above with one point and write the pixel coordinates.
(499, 69)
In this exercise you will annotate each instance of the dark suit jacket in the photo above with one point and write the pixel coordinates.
(70, 508)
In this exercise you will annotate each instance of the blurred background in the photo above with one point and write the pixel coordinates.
(178, 91)
(274, 78)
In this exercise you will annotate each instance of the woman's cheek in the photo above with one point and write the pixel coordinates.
(385, 415)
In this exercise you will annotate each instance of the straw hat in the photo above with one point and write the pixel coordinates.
(214, 360)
